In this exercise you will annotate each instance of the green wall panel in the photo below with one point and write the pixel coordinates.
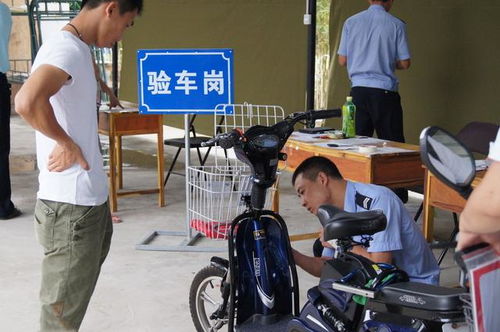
(268, 38)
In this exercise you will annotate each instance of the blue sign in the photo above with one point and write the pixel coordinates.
(184, 81)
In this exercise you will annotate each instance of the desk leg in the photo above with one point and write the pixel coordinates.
(428, 222)
(275, 197)
(160, 165)
(112, 173)
(275, 201)
(119, 162)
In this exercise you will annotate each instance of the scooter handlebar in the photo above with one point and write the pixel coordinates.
(225, 141)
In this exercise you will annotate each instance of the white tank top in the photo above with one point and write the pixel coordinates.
(74, 108)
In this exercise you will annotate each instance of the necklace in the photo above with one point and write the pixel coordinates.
(76, 30)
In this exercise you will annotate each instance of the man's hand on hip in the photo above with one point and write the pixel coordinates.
(65, 156)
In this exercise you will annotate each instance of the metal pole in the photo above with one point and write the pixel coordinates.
(311, 52)
(187, 153)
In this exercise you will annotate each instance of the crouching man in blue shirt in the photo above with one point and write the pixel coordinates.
(317, 181)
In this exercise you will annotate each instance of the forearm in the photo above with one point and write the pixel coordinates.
(312, 265)
(377, 257)
(403, 64)
(482, 211)
(342, 60)
(104, 87)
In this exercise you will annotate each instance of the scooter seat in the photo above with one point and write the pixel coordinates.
(421, 296)
(339, 224)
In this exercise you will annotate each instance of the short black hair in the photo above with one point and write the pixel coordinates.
(311, 167)
(125, 6)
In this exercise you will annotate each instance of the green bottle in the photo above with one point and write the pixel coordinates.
(348, 118)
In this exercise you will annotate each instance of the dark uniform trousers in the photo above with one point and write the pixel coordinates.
(380, 110)
(6, 205)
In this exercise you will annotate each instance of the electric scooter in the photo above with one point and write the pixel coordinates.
(258, 283)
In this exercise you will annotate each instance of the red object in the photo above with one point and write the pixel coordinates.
(211, 229)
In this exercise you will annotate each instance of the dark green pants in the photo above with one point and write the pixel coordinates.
(75, 240)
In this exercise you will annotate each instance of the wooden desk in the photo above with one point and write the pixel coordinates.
(392, 170)
(118, 123)
(437, 194)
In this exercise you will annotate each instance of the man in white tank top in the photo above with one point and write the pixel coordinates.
(72, 217)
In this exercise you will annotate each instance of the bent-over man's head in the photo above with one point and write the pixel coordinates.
(318, 181)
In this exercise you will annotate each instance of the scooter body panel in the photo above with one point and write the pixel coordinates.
(265, 284)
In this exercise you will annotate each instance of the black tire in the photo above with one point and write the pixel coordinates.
(209, 278)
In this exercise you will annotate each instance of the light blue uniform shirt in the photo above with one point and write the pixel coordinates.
(373, 40)
(5, 27)
(401, 237)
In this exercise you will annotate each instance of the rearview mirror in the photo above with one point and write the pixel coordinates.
(448, 159)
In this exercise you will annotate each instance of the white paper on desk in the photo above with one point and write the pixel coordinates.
(324, 144)
(390, 150)
(378, 150)
(302, 137)
(357, 141)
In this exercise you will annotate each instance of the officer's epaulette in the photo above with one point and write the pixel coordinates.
(364, 201)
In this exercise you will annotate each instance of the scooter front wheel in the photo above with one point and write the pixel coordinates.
(205, 299)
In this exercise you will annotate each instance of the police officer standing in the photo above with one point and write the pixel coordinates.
(373, 45)
(317, 181)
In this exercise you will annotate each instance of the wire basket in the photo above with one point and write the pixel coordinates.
(216, 197)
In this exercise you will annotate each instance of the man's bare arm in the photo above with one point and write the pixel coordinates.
(377, 257)
(113, 100)
(312, 265)
(342, 60)
(403, 64)
(480, 219)
(32, 103)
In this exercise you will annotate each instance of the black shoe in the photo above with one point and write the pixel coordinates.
(12, 214)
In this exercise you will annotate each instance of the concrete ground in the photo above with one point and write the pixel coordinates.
(137, 291)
